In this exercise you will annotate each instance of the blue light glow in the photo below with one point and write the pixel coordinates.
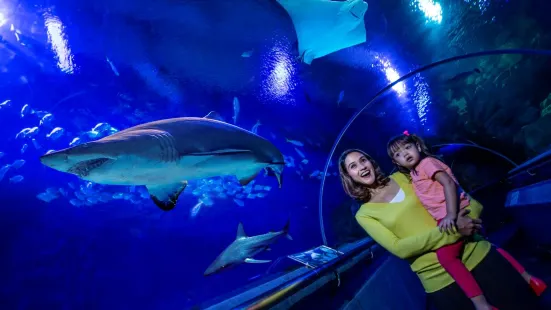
(421, 97)
(482, 5)
(3, 19)
(280, 77)
(431, 9)
(60, 45)
(391, 74)
(279, 69)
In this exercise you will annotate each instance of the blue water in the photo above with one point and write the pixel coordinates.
(73, 72)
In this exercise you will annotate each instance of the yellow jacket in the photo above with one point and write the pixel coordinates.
(407, 230)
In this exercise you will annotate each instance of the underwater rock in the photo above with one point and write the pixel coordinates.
(536, 136)
(529, 115)
(460, 104)
(545, 106)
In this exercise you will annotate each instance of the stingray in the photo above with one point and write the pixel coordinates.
(324, 27)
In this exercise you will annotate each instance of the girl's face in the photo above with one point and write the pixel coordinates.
(408, 155)
(360, 169)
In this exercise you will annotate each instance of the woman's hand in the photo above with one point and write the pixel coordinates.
(467, 226)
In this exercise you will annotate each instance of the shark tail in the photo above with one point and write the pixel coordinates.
(286, 230)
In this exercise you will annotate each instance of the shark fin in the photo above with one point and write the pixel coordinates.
(166, 196)
(286, 230)
(246, 177)
(214, 115)
(276, 171)
(240, 232)
(256, 261)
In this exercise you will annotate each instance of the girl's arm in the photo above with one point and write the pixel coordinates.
(405, 247)
(435, 170)
(452, 204)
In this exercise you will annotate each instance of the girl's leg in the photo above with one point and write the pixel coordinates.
(537, 285)
(448, 256)
(512, 260)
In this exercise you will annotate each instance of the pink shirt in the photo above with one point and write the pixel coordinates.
(429, 191)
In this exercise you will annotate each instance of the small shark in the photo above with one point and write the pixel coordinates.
(244, 248)
(462, 76)
(163, 155)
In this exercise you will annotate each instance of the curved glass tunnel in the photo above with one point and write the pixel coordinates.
(73, 72)
(464, 108)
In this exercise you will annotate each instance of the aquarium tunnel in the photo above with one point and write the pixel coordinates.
(186, 154)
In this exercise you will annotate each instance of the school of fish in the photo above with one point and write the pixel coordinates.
(49, 134)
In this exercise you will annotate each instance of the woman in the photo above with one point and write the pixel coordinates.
(393, 216)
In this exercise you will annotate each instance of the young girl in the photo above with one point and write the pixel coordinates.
(437, 189)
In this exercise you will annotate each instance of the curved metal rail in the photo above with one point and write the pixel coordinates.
(389, 86)
(278, 293)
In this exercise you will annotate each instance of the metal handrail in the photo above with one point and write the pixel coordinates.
(481, 148)
(541, 158)
(275, 295)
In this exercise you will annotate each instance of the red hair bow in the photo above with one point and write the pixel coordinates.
(406, 132)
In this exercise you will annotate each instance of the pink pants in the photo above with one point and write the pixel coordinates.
(449, 257)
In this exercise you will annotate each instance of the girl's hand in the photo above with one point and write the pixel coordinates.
(447, 224)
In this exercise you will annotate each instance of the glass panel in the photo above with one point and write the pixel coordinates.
(483, 115)
(74, 72)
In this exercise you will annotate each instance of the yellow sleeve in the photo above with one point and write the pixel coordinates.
(405, 247)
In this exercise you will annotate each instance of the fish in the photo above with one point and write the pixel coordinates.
(463, 75)
(163, 155)
(46, 119)
(5, 103)
(255, 127)
(18, 163)
(295, 142)
(236, 108)
(16, 179)
(113, 68)
(243, 248)
(55, 133)
(341, 97)
(26, 110)
(247, 54)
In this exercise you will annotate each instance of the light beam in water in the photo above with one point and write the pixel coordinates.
(421, 97)
(59, 43)
(391, 74)
(431, 9)
(278, 71)
(280, 76)
(3, 19)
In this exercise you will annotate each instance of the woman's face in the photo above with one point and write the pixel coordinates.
(360, 169)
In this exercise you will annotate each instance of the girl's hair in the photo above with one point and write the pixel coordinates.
(395, 143)
(354, 189)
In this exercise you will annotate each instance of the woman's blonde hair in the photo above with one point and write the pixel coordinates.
(354, 189)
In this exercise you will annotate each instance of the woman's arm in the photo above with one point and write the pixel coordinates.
(405, 247)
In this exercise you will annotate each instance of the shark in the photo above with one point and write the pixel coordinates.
(243, 248)
(163, 155)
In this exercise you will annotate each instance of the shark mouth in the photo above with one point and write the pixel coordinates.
(83, 168)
